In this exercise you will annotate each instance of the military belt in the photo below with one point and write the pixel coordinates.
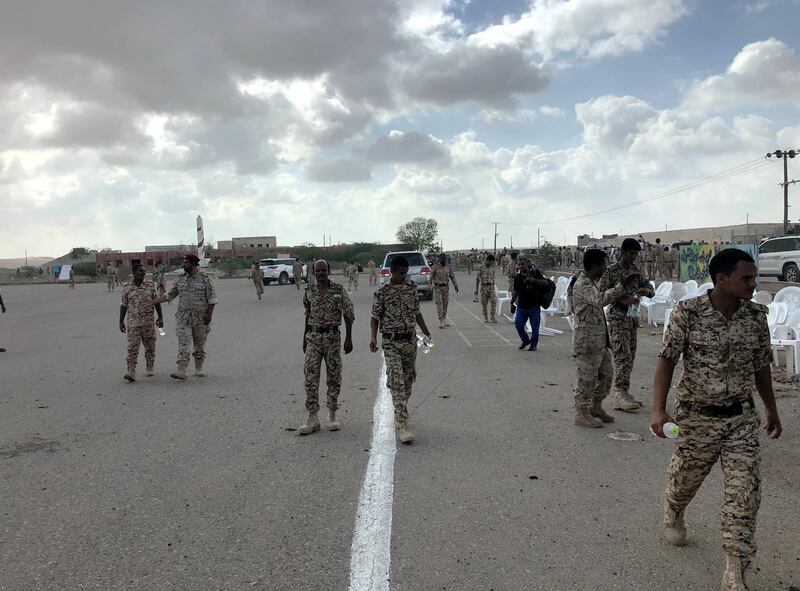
(441, 285)
(718, 411)
(324, 329)
(397, 336)
(490, 283)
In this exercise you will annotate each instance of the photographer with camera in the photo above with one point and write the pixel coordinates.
(530, 292)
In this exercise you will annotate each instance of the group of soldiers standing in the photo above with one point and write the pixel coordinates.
(722, 337)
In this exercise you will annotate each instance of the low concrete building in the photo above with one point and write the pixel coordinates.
(741, 233)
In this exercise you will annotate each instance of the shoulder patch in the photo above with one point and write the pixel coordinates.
(756, 307)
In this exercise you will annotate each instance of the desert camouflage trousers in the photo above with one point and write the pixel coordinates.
(352, 280)
(259, 286)
(401, 372)
(191, 331)
(298, 279)
(373, 277)
(734, 441)
(321, 346)
(594, 377)
(488, 297)
(441, 296)
(141, 335)
(622, 334)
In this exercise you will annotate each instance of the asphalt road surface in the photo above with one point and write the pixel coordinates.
(201, 485)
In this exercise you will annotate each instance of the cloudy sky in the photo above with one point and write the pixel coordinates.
(121, 121)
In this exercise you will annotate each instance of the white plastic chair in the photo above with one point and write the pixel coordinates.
(786, 337)
(502, 297)
(705, 287)
(762, 297)
(657, 306)
(667, 314)
(789, 295)
(691, 286)
(778, 313)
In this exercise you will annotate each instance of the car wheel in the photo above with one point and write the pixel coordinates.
(791, 273)
(284, 278)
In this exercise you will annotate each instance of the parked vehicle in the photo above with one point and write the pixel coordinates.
(419, 271)
(780, 257)
(280, 270)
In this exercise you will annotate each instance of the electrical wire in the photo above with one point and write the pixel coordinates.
(725, 174)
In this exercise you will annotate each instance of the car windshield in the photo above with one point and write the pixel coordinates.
(266, 262)
(415, 259)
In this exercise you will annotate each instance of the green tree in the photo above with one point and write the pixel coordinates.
(423, 233)
(230, 265)
(547, 256)
(86, 269)
(78, 252)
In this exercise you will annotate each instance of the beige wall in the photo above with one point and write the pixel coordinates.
(745, 233)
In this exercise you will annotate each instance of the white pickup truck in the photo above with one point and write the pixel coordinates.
(280, 270)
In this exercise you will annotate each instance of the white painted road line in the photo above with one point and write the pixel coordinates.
(370, 559)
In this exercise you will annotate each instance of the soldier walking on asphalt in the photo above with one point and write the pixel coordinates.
(136, 298)
(373, 274)
(590, 341)
(197, 298)
(71, 278)
(441, 276)
(159, 276)
(511, 271)
(725, 343)
(109, 277)
(297, 273)
(352, 275)
(622, 327)
(395, 311)
(484, 285)
(311, 276)
(326, 303)
(257, 277)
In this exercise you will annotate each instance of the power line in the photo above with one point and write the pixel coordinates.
(725, 174)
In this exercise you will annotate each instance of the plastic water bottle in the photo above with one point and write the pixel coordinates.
(633, 309)
(161, 331)
(424, 343)
(671, 430)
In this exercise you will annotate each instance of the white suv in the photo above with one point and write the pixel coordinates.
(419, 272)
(280, 270)
(780, 257)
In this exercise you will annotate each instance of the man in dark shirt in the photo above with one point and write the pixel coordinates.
(529, 289)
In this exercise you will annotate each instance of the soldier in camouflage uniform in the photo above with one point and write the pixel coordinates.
(109, 277)
(622, 328)
(511, 271)
(198, 297)
(373, 274)
(312, 280)
(352, 275)
(257, 277)
(395, 310)
(590, 341)
(648, 260)
(484, 285)
(325, 303)
(659, 260)
(297, 273)
(141, 329)
(725, 343)
(71, 278)
(469, 263)
(441, 276)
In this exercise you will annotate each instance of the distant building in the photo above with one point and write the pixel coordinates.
(150, 259)
(263, 242)
(171, 248)
(740, 233)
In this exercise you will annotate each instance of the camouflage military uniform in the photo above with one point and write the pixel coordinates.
(660, 260)
(622, 329)
(511, 272)
(257, 276)
(720, 358)
(487, 292)
(323, 341)
(297, 272)
(159, 276)
(441, 276)
(590, 340)
(312, 278)
(352, 276)
(373, 273)
(648, 257)
(469, 264)
(141, 327)
(196, 294)
(71, 278)
(395, 307)
(110, 277)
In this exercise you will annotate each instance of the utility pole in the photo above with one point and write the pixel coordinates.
(785, 154)
(495, 239)
(538, 237)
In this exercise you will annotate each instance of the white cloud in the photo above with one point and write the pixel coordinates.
(762, 73)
